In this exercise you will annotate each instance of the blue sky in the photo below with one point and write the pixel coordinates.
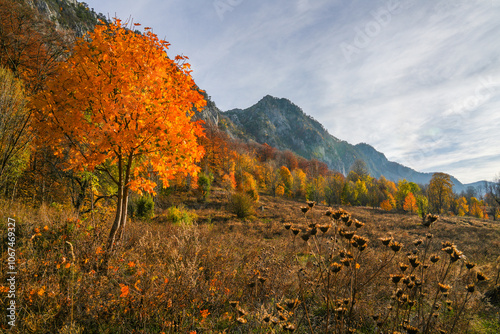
(418, 80)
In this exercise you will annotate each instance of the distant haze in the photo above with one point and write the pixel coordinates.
(418, 80)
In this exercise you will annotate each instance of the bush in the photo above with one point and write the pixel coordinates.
(142, 207)
(205, 185)
(180, 215)
(241, 204)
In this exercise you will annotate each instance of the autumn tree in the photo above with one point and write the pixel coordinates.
(389, 203)
(30, 48)
(349, 196)
(410, 203)
(286, 179)
(361, 192)
(358, 171)
(462, 206)
(476, 208)
(30, 45)
(299, 183)
(492, 197)
(375, 192)
(121, 106)
(290, 160)
(219, 154)
(404, 189)
(440, 192)
(422, 206)
(14, 123)
(334, 184)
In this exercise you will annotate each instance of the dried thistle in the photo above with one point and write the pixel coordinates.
(414, 261)
(358, 224)
(429, 219)
(345, 217)
(444, 287)
(411, 329)
(396, 278)
(480, 276)
(469, 265)
(386, 241)
(448, 250)
(335, 267)
(360, 241)
(456, 255)
(395, 246)
(291, 303)
(348, 234)
(324, 228)
(346, 262)
(337, 214)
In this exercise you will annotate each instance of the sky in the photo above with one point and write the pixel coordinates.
(419, 80)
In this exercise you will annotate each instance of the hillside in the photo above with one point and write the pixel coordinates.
(68, 14)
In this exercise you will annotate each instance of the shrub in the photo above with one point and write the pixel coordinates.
(205, 185)
(241, 204)
(180, 215)
(143, 207)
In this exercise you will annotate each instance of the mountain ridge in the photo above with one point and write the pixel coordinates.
(282, 124)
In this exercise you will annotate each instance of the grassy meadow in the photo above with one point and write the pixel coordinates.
(196, 268)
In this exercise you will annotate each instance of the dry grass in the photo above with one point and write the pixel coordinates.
(223, 274)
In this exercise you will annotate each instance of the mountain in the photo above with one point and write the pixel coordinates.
(68, 14)
(280, 123)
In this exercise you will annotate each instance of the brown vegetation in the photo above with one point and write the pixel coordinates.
(223, 274)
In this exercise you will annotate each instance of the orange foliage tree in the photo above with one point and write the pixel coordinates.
(120, 105)
(410, 203)
(389, 203)
(30, 45)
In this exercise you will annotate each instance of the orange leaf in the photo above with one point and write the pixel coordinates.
(124, 290)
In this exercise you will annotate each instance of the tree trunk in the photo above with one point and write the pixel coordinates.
(103, 267)
(118, 226)
(126, 191)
